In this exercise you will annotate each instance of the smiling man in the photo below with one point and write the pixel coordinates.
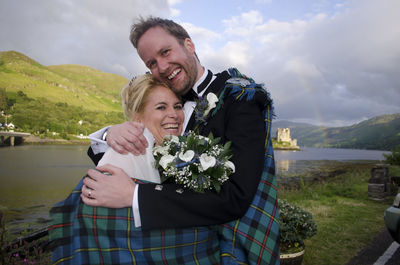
(246, 207)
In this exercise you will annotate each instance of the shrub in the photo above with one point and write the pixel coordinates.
(394, 157)
(296, 225)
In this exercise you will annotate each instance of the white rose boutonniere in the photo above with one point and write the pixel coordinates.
(204, 106)
(212, 99)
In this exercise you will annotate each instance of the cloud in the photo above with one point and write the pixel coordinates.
(93, 33)
(340, 68)
(333, 66)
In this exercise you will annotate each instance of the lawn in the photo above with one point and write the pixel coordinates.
(347, 218)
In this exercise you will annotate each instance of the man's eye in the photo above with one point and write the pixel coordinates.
(165, 52)
(151, 65)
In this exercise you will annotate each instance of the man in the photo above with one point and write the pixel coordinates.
(169, 53)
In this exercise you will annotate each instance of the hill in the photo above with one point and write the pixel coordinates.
(77, 85)
(57, 100)
(380, 133)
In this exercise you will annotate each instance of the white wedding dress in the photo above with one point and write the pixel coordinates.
(139, 167)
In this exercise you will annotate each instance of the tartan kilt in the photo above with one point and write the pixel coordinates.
(254, 238)
(96, 235)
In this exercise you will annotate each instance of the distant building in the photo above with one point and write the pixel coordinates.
(283, 135)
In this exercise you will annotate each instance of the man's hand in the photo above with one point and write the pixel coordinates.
(127, 137)
(115, 191)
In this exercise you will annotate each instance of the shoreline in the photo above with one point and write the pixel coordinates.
(36, 140)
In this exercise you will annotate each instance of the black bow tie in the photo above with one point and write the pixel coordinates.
(192, 95)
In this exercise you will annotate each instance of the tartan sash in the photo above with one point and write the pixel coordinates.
(254, 238)
(96, 235)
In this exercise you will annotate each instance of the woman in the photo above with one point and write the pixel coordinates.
(84, 234)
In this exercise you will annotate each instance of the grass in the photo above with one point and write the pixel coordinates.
(347, 219)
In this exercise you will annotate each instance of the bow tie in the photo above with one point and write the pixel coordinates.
(190, 96)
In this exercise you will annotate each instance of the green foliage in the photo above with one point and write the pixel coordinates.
(79, 86)
(295, 225)
(41, 116)
(394, 157)
(51, 100)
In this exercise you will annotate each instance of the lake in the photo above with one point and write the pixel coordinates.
(34, 177)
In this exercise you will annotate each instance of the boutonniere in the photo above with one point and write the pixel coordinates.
(204, 106)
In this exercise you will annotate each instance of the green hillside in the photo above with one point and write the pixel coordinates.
(57, 100)
(77, 85)
(381, 133)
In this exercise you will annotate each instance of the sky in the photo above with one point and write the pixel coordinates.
(331, 63)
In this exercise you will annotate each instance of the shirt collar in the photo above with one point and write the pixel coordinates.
(203, 82)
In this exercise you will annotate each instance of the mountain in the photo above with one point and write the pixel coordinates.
(380, 133)
(79, 86)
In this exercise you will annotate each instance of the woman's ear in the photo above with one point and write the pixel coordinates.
(137, 118)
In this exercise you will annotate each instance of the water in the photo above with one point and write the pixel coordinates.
(34, 177)
(309, 153)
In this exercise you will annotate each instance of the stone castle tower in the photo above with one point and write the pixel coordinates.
(283, 135)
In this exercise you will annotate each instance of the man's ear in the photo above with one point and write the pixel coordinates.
(189, 45)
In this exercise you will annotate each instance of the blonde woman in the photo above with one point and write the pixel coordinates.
(85, 234)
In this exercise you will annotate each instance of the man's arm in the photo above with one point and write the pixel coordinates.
(165, 206)
(124, 138)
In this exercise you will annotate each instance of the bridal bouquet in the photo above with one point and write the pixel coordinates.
(197, 162)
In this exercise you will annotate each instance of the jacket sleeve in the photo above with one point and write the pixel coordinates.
(242, 123)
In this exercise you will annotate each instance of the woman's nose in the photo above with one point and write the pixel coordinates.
(173, 113)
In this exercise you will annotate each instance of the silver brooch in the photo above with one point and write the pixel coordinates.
(180, 191)
(159, 187)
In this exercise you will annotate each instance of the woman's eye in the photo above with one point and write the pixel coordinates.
(160, 108)
(179, 107)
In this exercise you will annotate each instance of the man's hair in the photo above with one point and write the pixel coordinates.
(139, 28)
(134, 95)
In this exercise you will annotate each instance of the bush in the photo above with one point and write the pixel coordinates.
(295, 226)
(394, 157)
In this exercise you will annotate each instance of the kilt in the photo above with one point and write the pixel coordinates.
(254, 238)
(96, 235)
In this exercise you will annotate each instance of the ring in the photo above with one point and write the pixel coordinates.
(89, 194)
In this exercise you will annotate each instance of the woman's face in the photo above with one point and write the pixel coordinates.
(162, 114)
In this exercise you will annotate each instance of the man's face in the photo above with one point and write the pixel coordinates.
(168, 61)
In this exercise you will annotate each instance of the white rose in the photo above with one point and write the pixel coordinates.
(211, 99)
(230, 165)
(165, 160)
(187, 156)
(207, 161)
(174, 139)
(163, 150)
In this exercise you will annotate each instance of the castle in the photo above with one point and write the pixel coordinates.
(283, 135)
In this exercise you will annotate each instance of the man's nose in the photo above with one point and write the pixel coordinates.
(162, 66)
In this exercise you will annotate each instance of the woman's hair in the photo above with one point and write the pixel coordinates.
(134, 95)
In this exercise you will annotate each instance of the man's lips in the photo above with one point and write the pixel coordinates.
(174, 73)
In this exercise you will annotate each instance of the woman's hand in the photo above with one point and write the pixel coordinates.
(113, 191)
(127, 137)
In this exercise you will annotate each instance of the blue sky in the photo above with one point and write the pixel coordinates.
(324, 62)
